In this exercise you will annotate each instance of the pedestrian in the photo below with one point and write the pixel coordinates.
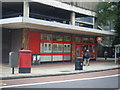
(86, 58)
(105, 55)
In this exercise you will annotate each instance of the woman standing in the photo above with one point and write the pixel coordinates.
(86, 58)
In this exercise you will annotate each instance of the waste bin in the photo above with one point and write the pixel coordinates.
(13, 60)
(79, 63)
(25, 61)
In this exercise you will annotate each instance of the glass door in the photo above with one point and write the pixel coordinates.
(78, 50)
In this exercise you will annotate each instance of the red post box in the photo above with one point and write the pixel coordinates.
(25, 61)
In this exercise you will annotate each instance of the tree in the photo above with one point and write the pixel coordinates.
(108, 13)
(117, 25)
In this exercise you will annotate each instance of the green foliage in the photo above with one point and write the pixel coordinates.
(117, 25)
(108, 13)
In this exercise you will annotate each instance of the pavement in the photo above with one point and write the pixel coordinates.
(54, 69)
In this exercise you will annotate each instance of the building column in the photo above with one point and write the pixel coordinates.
(25, 32)
(73, 48)
(72, 18)
(26, 9)
(25, 39)
(95, 23)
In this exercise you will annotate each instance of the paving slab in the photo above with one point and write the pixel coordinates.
(53, 69)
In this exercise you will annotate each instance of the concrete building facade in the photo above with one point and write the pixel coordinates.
(54, 31)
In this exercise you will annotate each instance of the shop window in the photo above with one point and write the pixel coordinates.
(46, 47)
(85, 47)
(57, 48)
(78, 39)
(46, 36)
(57, 57)
(67, 38)
(85, 40)
(92, 56)
(91, 48)
(57, 37)
(67, 48)
(91, 40)
(45, 58)
(67, 57)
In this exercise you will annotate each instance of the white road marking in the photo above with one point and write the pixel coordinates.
(60, 81)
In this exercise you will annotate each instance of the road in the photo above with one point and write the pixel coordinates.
(104, 79)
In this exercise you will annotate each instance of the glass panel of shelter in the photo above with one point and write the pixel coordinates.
(57, 48)
(91, 40)
(45, 36)
(78, 39)
(67, 48)
(57, 38)
(67, 38)
(84, 39)
(91, 49)
(46, 48)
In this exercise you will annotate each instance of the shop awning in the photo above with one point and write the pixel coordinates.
(23, 22)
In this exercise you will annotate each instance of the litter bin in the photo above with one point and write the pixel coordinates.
(25, 61)
(13, 60)
(79, 63)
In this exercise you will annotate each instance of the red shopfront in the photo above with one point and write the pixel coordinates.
(85, 43)
(54, 47)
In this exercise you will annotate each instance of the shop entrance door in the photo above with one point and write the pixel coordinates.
(78, 50)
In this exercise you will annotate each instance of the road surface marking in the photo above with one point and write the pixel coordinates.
(60, 81)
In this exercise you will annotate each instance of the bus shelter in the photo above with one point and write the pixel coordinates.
(117, 53)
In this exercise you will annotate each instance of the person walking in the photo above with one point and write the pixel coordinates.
(105, 55)
(86, 58)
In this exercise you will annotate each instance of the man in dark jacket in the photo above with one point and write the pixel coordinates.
(105, 55)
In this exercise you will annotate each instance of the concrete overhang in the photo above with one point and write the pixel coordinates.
(23, 22)
(64, 6)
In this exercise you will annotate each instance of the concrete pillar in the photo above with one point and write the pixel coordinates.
(73, 48)
(72, 18)
(95, 23)
(25, 38)
(26, 9)
(25, 32)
